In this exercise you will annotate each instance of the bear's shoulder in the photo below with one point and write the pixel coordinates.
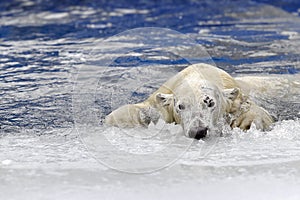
(209, 72)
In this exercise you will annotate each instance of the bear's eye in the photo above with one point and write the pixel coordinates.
(181, 107)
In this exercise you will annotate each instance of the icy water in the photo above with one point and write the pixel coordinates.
(66, 64)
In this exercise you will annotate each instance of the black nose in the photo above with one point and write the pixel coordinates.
(198, 133)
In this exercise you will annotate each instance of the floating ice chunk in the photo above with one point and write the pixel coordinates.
(290, 34)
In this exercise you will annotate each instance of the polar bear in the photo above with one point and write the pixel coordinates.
(201, 98)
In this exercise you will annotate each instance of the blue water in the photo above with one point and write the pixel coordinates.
(48, 46)
(40, 42)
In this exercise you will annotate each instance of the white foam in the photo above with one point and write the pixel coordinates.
(6, 162)
(253, 147)
(153, 139)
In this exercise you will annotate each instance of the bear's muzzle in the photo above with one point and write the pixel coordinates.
(198, 132)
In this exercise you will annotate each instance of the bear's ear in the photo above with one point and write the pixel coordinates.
(232, 94)
(164, 99)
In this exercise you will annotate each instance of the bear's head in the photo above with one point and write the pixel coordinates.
(199, 107)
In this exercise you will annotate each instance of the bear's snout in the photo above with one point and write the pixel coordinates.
(198, 132)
